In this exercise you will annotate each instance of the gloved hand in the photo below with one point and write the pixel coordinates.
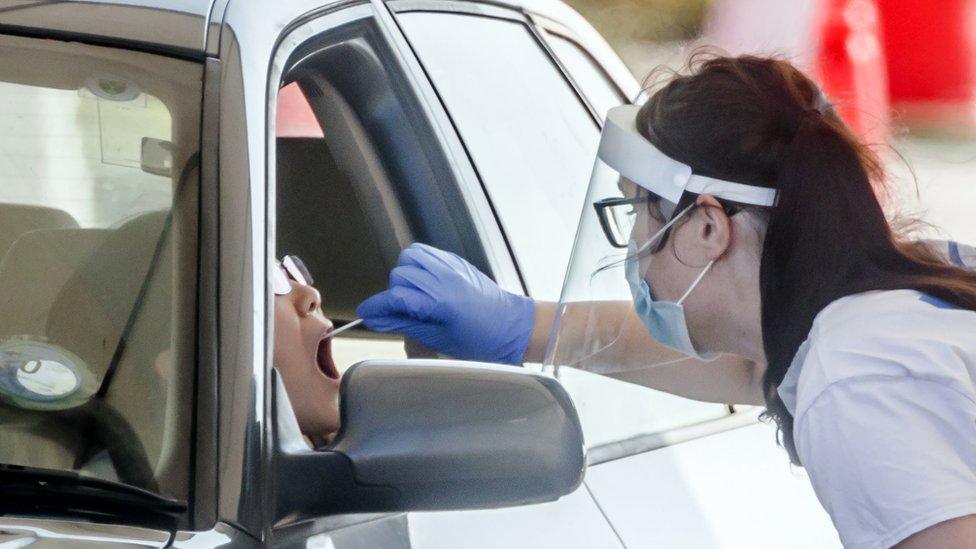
(447, 304)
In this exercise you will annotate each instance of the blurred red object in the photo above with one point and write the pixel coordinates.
(850, 65)
(294, 115)
(931, 58)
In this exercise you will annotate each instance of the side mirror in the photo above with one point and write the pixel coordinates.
(432, 435)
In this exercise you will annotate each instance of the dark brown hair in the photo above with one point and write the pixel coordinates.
(760, 121)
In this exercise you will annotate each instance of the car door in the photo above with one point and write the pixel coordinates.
(346, 197)
(527, 99)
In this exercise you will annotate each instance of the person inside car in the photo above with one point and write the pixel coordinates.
(303, 350)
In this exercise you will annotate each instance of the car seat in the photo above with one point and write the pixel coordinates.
(33, 272)
(17, 219)
(116, 306)
(127, 286)
(338, 210)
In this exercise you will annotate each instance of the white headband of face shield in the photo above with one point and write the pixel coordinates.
(624, 149)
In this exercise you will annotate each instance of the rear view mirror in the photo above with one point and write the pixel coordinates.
(157, 156)
(433, 435)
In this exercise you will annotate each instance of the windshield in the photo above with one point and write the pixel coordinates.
(97, 255)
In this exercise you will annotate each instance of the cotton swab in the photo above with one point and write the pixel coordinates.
(338, 331)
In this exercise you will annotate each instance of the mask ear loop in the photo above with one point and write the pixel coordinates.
(695, 283)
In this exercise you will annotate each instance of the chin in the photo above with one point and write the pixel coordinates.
(320, 430)
(326, 416)
(332, 423)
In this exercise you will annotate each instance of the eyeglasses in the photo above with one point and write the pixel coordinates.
(618, 215)
(291, 267)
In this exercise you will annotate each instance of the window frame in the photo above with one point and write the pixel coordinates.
(550, 31)
(491, 11)
(290, 43)
(299, 42)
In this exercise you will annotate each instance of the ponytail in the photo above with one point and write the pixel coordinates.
(825, 188)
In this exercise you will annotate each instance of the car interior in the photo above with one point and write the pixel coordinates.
(325, 188)
(351, 198)
(101, 294)
(79, 289)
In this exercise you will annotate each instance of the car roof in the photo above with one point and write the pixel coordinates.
(173, 26)
(176, 27)
(179, 27)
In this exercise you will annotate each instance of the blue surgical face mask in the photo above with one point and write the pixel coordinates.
(665, 320)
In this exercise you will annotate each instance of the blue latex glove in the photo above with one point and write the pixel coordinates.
(447, 304)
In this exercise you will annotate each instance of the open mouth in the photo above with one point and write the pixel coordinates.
(323, 358)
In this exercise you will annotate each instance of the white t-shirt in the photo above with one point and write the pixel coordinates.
(883, 395)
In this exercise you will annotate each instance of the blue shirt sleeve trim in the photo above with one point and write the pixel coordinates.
(940, 303)
(954, 256)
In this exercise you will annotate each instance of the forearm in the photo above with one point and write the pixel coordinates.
(638, 358)
(729, 379)
(956, 533)
(545, 314)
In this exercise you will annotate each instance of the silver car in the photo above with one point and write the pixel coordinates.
(158, 155)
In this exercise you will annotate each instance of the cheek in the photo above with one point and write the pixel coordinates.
(657, 275)
(667, 276)
(646, 229)
(287, 337)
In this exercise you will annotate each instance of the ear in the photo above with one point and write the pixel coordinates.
(714, 227)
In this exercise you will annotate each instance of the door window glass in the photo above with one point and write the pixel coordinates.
(591, 79)
(530, 136)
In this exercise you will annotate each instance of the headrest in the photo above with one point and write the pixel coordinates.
(18, 219)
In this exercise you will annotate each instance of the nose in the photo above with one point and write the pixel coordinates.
(307, 299)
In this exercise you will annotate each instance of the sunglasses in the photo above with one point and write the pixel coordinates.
(289, 268)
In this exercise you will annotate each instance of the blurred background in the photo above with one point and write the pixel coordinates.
(646, 33)
(901, 72)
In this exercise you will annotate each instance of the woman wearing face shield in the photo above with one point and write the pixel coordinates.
(751, 240)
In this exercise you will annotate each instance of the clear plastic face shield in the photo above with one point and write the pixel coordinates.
(618, 291)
